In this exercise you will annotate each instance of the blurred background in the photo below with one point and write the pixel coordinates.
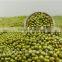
(26, 7)
(13, 10)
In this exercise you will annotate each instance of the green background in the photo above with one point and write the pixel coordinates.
(18, 21)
